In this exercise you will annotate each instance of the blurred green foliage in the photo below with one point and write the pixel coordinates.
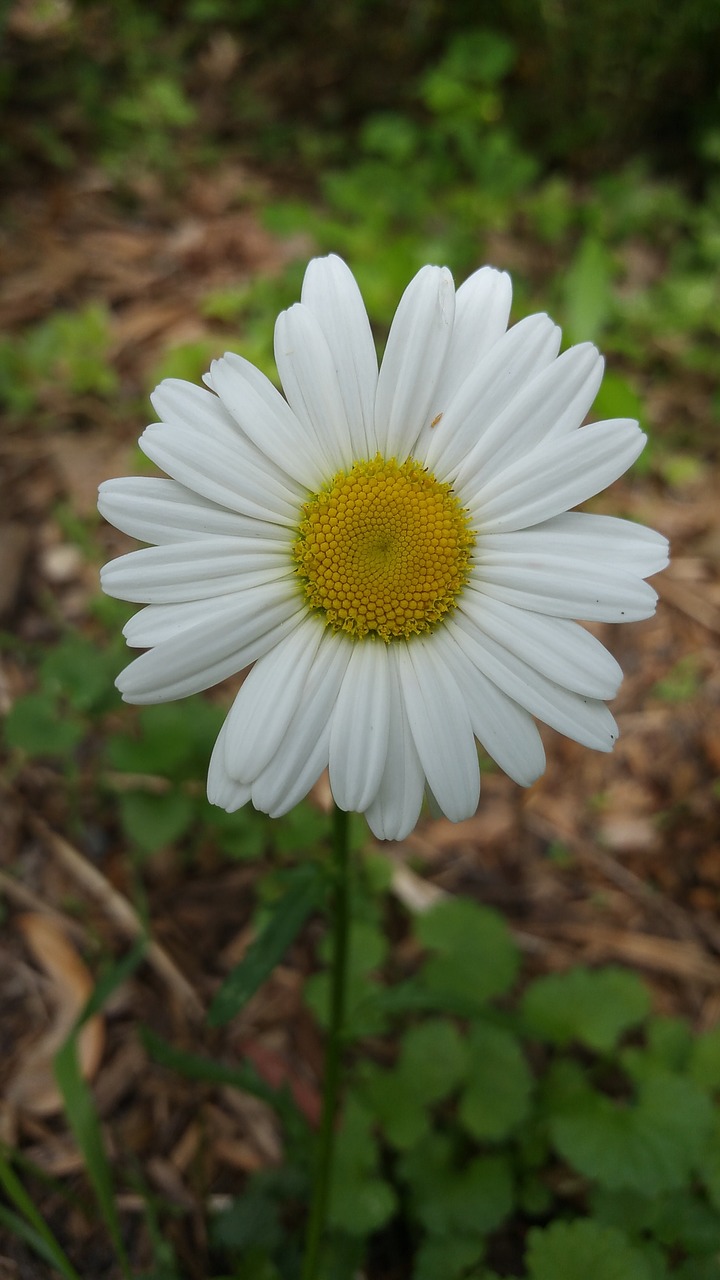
(590, 83)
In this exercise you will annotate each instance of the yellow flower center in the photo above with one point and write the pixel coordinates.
(383, 549)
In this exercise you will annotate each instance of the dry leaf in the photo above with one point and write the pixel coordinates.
(33, 1088)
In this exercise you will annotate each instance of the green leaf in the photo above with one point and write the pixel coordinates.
(591, 1006)
(269, 947)
(709, 1167)
(705, 1059)
(242, 835)
(469, 1200)
(154, 821)
(432, 1061)
(360, 1201)
(496, 1098)
(447, 1256)
(364, 1014)
(79, 1103)
(82, 672)
(650, 1147)
(582, 1250)
(402, 1116)
(194, 1066)
(670, 1042)
(33, 724)
(250, 1222)
(31, 1227)
(475, 956)
(174, 740)
(588, 292)
(617, 398)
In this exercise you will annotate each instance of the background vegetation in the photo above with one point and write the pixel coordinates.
(168, 169)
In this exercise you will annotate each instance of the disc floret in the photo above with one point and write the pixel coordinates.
(383, 549)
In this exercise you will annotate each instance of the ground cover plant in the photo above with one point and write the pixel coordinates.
(531, 1060)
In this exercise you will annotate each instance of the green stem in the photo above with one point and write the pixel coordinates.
(340, 916)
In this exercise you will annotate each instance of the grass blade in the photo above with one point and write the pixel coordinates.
(30, 1227)
(80, 1109)
(270, 946)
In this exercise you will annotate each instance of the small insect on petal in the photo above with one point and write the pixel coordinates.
(436, 419)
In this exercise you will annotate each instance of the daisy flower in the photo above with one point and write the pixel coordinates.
(390, 552)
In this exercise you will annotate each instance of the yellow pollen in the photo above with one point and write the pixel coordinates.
(384, 549)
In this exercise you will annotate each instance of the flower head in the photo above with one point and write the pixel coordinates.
(391, 552)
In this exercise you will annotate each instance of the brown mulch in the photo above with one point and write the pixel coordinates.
(607, 858)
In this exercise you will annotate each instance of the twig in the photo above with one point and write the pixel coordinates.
(690, 602)
(651, 899)
(119, 910)
(29, 901)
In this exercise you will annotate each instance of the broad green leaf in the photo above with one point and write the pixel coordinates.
(242, 835)
(583, 1250)
(154, 821)
(617, 398)
(670, 1042)
(496, 1098)
(709, 1167)
(34, 724)
(360, 1201)
(705, 1059)
(433, 1059)
(402, 1116)
(471, 1199)
(173, 740)
(591, 1006)
(269, 947)
(432, 1062)
(250, 1222)
(364, 1015)
(82, 672)
(474, 958)
(447, 1256)
(588, 291)
(649, 1147)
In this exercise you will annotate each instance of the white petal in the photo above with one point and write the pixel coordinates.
(182, 404)
(304, 750)
(416, 347)
(231, 475)
(516, 356)
(561, 650)
(555, 476)
(268, 700)
(223, 790)
(584, 719)
(310, 382)
(441, 729)
(159, 622)
(331, 293)
(360, 728)
(196, 570)
(204, 654)
(153, 509)
(482, 307)
(506, 731)
(559, 586)
(396, 807)
(267, 419)
(550, 405)
(590, 539)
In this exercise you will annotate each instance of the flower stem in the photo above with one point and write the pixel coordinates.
(340, 920)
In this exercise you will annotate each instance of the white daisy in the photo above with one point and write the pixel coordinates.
(390, 553)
